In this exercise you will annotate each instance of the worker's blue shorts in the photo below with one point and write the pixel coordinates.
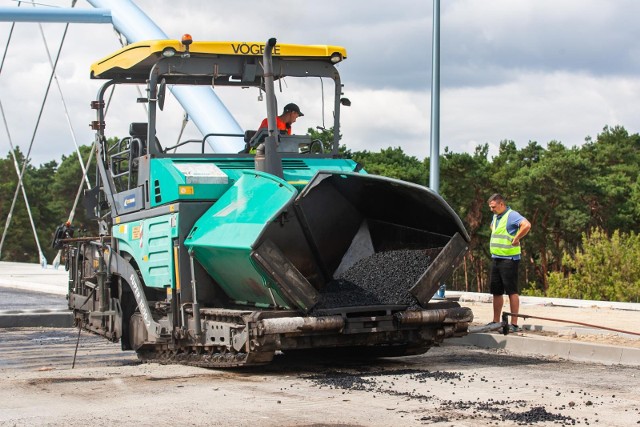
(504, 276)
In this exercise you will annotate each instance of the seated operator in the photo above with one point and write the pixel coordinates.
(284, 121)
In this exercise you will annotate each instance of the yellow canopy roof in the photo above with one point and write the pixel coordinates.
(142, 55)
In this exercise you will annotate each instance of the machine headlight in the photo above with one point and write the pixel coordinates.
(168, 52)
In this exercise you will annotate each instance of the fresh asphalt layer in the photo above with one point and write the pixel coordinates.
(28, 289)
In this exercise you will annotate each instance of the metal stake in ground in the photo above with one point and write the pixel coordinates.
(73, 365)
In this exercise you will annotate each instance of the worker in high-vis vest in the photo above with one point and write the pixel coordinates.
(508, 227)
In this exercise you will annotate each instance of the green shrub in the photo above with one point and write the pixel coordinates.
(606, 268)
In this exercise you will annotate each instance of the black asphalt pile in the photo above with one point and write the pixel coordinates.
(343, 381)
(417, 375)
(538, 414)
(422, 376)
(491, 405)
(383, 278)
(382, 382)
(503, 410)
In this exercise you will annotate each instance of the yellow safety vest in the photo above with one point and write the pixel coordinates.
(501, 240)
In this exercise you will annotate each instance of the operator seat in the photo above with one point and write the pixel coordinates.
(253, 138)
(138, 132)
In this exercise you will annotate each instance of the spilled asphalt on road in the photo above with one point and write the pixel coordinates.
(449, 385)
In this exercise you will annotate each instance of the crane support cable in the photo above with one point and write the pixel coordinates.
(526, 316)
(56, 261)
(20, 187)
(123, 44)
(106, 109)
(15, 160)
(6, 48)
(43, 260)
(4, 56)
(64, 104)
(185, 120)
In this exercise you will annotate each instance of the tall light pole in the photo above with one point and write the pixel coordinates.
(434, 168)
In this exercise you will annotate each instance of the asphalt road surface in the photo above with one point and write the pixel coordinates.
(16, 299)
(448, 386)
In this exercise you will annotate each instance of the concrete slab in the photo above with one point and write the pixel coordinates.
(630, 356)
(33, 277)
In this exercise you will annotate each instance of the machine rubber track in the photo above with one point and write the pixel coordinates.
(206, 356)
(196, 356)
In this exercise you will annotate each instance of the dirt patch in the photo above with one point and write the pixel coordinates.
(47, 381)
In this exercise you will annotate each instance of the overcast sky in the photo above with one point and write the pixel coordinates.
(523, 70)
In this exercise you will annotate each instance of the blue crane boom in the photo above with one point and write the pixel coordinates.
(202, 105)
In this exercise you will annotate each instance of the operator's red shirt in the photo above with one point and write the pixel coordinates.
(279, 123)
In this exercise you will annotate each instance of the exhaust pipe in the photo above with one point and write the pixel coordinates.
(267, 158)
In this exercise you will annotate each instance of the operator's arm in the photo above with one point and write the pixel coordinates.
(523, 229)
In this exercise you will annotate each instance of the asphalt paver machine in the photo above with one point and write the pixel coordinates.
(220, 260)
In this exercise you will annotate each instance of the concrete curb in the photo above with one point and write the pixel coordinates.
(36, 319)
(569, 350)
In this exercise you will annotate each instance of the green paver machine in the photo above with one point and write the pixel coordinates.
(218, 260)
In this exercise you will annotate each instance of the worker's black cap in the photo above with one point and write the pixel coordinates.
(292, 107)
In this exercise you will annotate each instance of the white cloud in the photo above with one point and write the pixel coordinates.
(539, 107)
(533, 107)
(521, 70)
(387, 118)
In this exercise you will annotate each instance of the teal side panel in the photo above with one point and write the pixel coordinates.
(223, 238)
(150, 242)
(175, 180)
